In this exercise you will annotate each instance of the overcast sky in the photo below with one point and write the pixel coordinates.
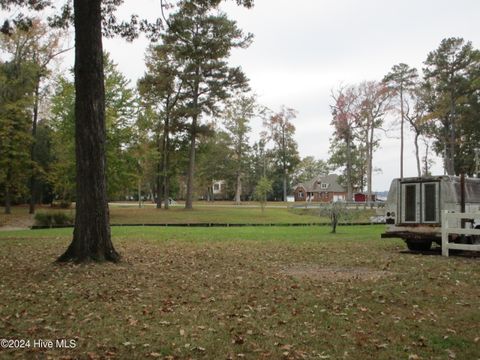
(303, 49)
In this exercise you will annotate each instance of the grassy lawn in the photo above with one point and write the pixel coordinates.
(208, 214)
(224, 213)
(250, 292)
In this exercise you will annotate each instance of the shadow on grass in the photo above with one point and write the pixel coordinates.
(437, 251)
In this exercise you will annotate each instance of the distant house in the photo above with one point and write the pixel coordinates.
(321, 189)
(219, 188)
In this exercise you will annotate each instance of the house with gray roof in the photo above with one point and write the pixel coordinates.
(323, 188)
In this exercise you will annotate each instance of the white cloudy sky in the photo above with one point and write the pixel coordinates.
(305, 48)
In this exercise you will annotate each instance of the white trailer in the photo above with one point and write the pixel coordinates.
(414, 205)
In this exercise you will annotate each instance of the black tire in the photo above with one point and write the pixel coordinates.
(419, 245)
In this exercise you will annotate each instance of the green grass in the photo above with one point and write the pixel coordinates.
(201, 214)
(249, 292)
(210, 214)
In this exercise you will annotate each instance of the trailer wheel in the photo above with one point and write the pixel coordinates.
(475, 239)
(423, 245)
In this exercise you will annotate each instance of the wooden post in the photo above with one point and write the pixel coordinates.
(462, 199)
(444, 233)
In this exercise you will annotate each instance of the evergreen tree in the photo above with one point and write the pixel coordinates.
(201, 39)
(237, 115)
(451, 78)
(309, 168)
(161, 90)
(400, 79)
(91, 239)
(280, 131)
(16, 93)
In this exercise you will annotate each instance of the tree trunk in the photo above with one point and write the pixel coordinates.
(334, 220)
(426, 170)
(370, 163)
(191, 164)
(349, 171)
(450, 162)
(139, 193)
(159, 173)
(284, 158)
(166, 180)
(451, 142)
(8, 196)
(417, 154)
(32, 181)
(401, 132)
(193, 140)
(165, 157)
(166, 194)
(91, 235)
(238, 189)
(449, 154)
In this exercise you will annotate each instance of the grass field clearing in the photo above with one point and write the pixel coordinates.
(201, 214)
(250, 292)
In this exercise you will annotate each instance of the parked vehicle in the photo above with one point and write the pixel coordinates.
(414, 205)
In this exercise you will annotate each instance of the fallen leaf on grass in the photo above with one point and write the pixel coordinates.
(451, 354)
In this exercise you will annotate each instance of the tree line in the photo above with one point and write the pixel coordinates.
(440, 106)
(186, 123)
(161, 136)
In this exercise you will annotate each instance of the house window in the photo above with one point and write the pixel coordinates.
(324, 186)
(216, 187)
(300, 194)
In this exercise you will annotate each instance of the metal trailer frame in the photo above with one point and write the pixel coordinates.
(415, 206)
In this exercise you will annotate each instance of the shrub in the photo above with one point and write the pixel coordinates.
(262, 189)
(53, 219)
(61, 204)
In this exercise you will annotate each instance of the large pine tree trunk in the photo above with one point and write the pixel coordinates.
(191, 165)
(33, 147)
(193, 144)
(166, 192)
(238, 189)
(402, 141)
(159, 172)
(166, 163)
(453, 135)
(91, 236)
